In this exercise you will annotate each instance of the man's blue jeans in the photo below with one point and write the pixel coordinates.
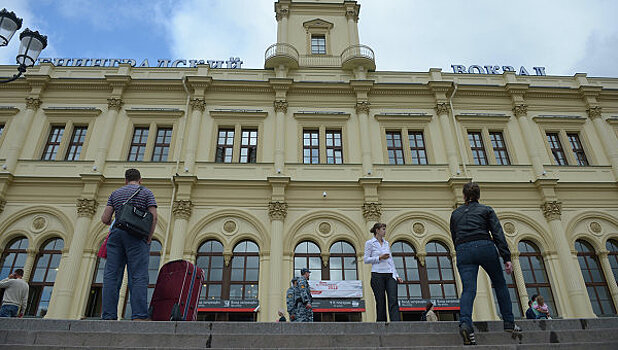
(470, 256)
(9, 310)
(125, 249)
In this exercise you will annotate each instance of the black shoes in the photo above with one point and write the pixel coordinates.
(467, 333)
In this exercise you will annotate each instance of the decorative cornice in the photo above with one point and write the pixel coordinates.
(362, 107)
(2, 204)
(594, 112)
(552, 210)
(227, 256)
(277, 210)
(114, 104)
(281, 12)
(198, 104)
(182, 209)
(33, 103)
(351, 13)
(281, 106)
(421, 257)
(520, 110)
(442, 108)
(372, 211)
(86, 207)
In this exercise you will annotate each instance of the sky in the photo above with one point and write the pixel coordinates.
(564, 36)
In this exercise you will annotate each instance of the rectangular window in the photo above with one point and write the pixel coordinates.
(76, 143)
(476, 146)
(162, 145)
(318, 44)
(225, 146)
(311, 147)
(556, 148)
(248, 146)
(417, 147)
(138, 145)
(499, 146)
(334, 147)
(578, 149)
(394, 147)
(53, 142)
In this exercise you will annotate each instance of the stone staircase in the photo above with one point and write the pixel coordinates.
(593, 334)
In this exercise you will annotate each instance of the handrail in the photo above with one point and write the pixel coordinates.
(356, 51)
(281, 49)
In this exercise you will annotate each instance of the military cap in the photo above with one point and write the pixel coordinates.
(304, 270)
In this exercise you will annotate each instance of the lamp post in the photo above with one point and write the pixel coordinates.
(32, 43)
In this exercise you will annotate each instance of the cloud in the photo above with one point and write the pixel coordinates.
(219, 29)
(600, 55)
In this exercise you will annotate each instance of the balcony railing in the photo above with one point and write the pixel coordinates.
(358, 55)
(281, 53)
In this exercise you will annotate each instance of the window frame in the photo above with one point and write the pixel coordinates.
(415, 149)
(208, 269)
(311, 147)
(487, 124)
(342, 257)
(529, 256)
(556, 148)
(307, 256)
(592, 254)
(38, 287)
(79, 144)
(52, 154)
(162, 146)
(140, 146)
(17, 251)
(395, 148)
(318, 44)
(251, 149)
(244, 282)
(477, 147)
(337, 151)
(577, 147)
(500, 150)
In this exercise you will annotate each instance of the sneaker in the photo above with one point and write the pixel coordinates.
(467, 333)
(512, 328)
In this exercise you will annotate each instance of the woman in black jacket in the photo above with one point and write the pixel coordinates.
(479, 241)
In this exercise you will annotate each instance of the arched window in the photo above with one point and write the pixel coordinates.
(14, 256)
(153, 272)
(512, 287)
(210, 259)
(342, 262)
(407, 265)
(95, 300)
(439, 271)
(307, 254)
(612, 247)
(245, 271)
(44, 276)
(535, 274)
(596, 285)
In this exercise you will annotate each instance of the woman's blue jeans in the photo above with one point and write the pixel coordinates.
(470, 256)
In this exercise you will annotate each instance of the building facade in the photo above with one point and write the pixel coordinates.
(260, 172)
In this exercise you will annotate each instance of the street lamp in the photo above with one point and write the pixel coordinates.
(32, 43)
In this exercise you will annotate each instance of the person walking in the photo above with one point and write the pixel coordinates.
(479, 241)
(304, 312)
(292, 299)
(384, 276)
(430, 316)
(126, 249)
(15, 297)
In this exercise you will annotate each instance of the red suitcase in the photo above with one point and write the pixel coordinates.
(177, 292)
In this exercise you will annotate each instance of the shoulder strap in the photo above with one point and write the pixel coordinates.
(133, 195)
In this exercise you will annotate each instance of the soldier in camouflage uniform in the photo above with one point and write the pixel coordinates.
(292, 299)
(305, 312)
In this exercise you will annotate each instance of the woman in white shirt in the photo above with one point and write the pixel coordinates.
(384, 276)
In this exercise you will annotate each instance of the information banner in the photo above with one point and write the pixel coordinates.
(419, 304)
(336, 289)
(338, 305)
(218, 305)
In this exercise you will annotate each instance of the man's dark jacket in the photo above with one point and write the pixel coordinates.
(475, 221)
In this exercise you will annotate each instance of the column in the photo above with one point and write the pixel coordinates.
(277, 211)
(484, 309)
(29, 266)
(66, 281)
(20, 132)
(607, 137)
(609, 275)
(281, 108)
(351, 15)
(571, 274)
(113, 107)
(372, 212)
(442, 110)
(282, 12)
(182, 210)
(521, 113)
(198, 105)
(362, 111)
(518, 277)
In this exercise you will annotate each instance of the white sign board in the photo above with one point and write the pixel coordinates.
(336, 289)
